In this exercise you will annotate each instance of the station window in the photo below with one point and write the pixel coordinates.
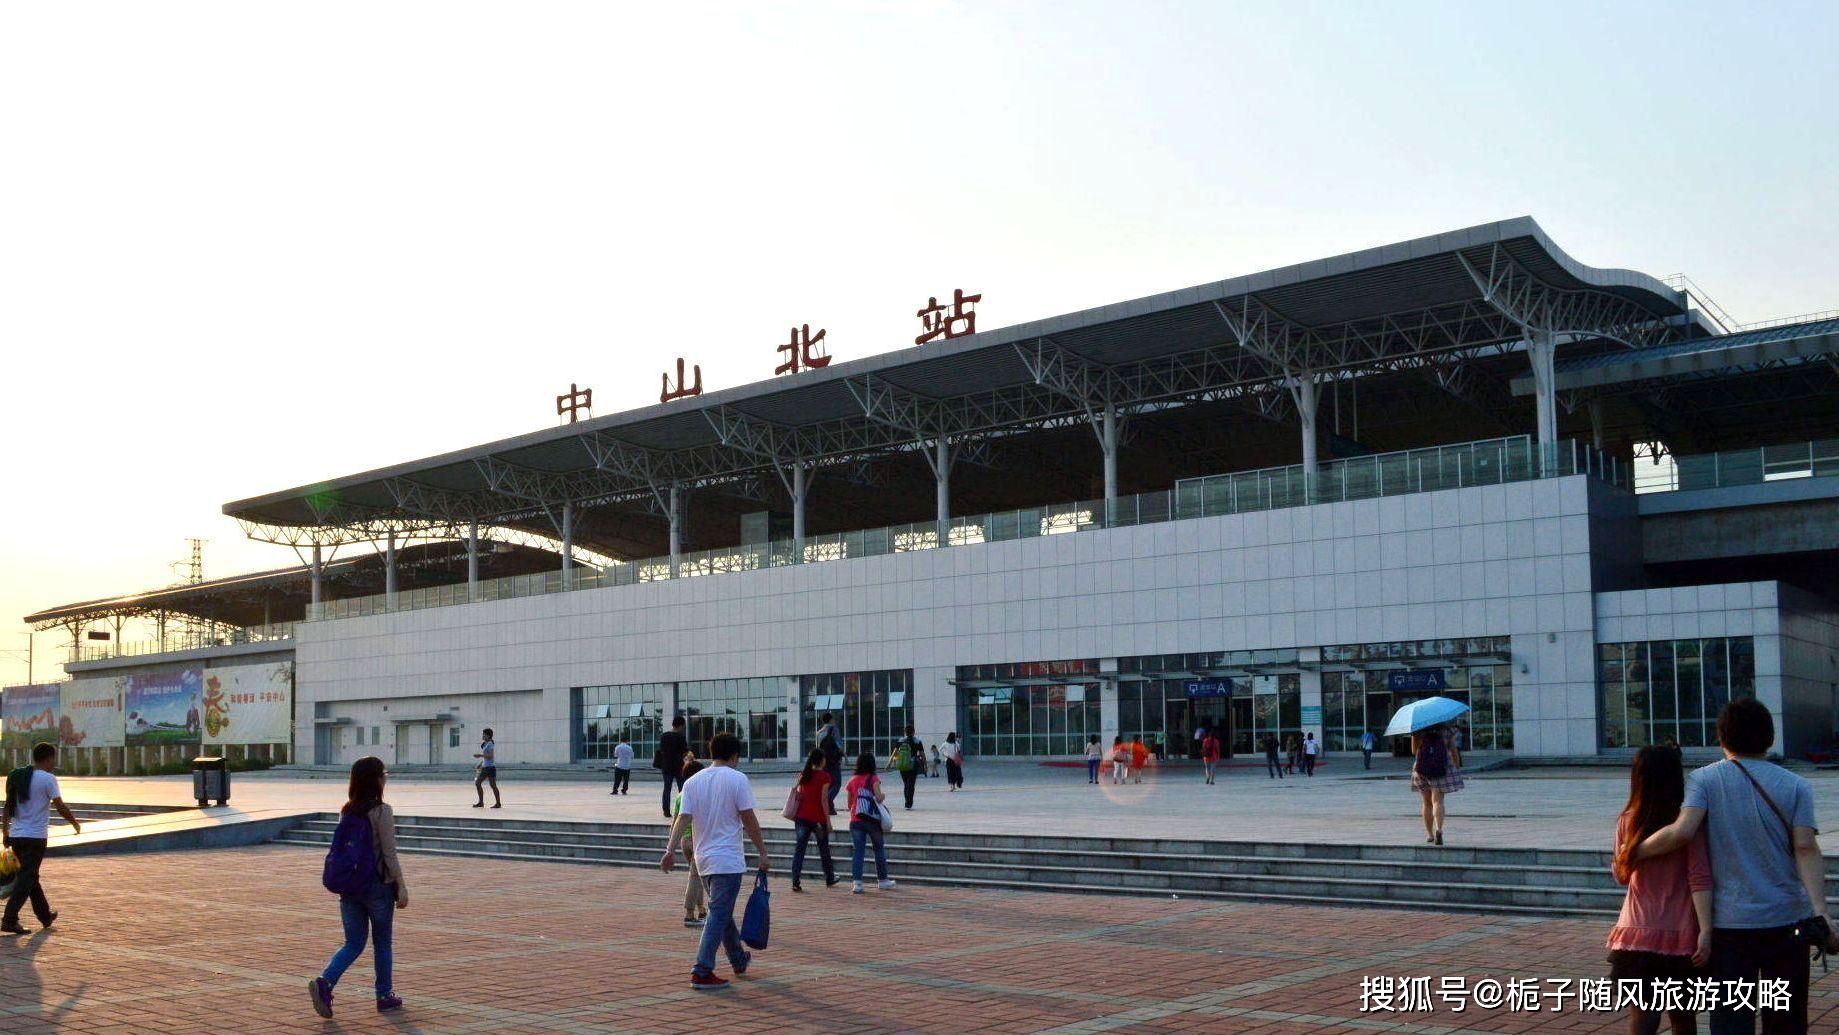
(752, 709)
(1255, 693)
(1476, 670)
(1028, 708)
(1671, 691)
(871, 709)
(603, 714)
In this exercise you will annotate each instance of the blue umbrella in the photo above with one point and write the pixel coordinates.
(1422, 715)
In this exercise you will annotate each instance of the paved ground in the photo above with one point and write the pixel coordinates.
(1565, 808)
(224, 942)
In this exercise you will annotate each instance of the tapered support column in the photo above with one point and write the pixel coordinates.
(568, 546)
(676, 529)
(800, 485)
(317, 572)
(1306, 390)
(1542, 350)
(1595, 407)
(389, 571)
(941, 470)
(472, 560)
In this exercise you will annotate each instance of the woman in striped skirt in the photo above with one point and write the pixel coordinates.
(1435, 772)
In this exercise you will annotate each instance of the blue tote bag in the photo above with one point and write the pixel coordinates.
(757, 921)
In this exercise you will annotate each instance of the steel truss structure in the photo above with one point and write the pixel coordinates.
(1264, 345)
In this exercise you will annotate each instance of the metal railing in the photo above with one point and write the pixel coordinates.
(1818, 458)
(184, 641)
(1488, 462)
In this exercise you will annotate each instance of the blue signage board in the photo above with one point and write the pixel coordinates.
(1209, 688)
(1417, 679)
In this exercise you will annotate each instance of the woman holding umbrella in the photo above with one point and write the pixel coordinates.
(1435, 772)
(1436, 761)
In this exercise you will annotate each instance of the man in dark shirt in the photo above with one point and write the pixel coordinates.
(669, 760)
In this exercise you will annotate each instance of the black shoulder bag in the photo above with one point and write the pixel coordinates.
(1814, 932)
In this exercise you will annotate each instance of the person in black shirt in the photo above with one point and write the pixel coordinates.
(669, 760)
(830, 742)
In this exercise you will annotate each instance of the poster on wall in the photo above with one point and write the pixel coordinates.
(28, 714)
(92, 712)
(164, 708)
(249, 704)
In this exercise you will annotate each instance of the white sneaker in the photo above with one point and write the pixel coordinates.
(857, 888)
(884, 885)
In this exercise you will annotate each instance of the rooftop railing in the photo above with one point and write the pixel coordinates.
(1489, 462)
(185, 641)
(1814, 459)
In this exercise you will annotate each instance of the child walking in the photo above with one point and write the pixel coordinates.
(695, 902)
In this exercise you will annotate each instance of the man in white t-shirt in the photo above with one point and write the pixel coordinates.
(720, 802)
(25, 827)
(1312, 749)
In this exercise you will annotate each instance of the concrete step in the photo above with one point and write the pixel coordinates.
(459, 834)
(1549, 883)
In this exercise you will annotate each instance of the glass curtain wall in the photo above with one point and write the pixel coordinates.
(872, 709)
(1671, 690)
(1260, 701)
(752, 709)
(603, 714)
(1028, 708)
(1354, 701)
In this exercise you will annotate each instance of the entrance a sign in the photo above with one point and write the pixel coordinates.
(1417, 679)
(1209, 688)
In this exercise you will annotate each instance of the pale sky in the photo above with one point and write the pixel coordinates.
(245, 246)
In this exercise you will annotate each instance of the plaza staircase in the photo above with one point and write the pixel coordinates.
(1500, 881)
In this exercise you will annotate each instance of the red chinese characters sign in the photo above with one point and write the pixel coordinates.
(803, 351)
(953, 321)
(685, 387)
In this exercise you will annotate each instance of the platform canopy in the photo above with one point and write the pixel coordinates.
(272, 597)
(1439, 308)
(1755, 386)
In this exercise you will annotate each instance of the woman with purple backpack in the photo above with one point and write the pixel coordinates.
(1435, 772)
(363, 869)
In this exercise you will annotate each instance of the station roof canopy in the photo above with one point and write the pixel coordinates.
(1444, 299)
(281, 595)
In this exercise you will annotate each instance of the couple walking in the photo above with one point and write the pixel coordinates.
(1725, 878)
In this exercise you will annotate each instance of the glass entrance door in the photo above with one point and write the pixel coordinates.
(1178, 727)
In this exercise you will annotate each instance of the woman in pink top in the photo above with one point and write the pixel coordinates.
(1664, 931)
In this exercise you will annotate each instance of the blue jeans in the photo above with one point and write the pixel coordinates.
(861, 833)
(1091, 770)
(719, 929)
(372, 914)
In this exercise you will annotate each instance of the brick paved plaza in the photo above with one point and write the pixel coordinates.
(224, 941)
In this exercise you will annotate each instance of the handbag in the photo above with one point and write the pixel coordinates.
(791, 804)
(757, 920)
(868, 810)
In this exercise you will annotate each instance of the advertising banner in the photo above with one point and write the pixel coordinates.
(165, 708)
(28, 714)
(249, 704)
(93, 712)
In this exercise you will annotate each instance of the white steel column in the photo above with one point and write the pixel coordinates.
(800, 484)
(472, 560)
(1542, 349)
(676, 529)
(317, 570)
(1306, 390)
(568, 545)
(1107, 441)
(389, 570)
(941, 470)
